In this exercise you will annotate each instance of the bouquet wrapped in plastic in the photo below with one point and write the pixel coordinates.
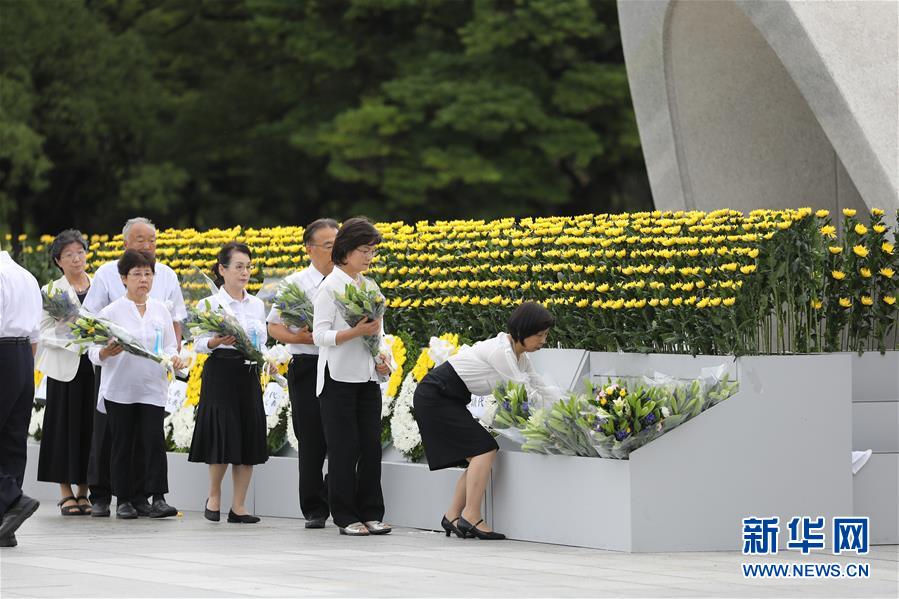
(205, 319)
(356, 304)
(621, 421)
(512, 410)
(293, 305)
(59, 305)
(616, 418)
(89, 329)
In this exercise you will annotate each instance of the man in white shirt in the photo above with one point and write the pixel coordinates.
(20, 318)
(301, 375)
(138, 234)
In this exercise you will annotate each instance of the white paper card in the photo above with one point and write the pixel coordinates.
(273, 398)
(177, 396)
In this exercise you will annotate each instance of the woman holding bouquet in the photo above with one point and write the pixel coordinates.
(133, 389)
(450, 434)
(347, 387)
(230, 426)
(69, 413)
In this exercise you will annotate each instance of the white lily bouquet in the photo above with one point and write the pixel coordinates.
(89, 329)
(59, 305)
(218, 321)
(358, 303)
(293, 305)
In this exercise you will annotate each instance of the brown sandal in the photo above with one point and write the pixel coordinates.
(85, 509)
(69, 510)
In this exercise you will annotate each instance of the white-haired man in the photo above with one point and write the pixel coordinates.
(138, 234)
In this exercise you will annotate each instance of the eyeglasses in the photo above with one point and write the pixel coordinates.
(324, 246)
(241, 267)
(73, 255)
(370, 253)
(140, 275)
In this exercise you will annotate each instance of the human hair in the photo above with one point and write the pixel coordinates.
(62, 240)
(224, 259)
(135, 221)
(529, 319)
(317, 225)
(135, 259)
(354, 233)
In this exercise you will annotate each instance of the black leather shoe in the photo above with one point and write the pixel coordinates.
(316, 522)
(9, 541)
(212, 516)
(160, 509)
(125, 511)
(245, 519)
(18, 513)
(472, 530)
(451, 528)
(142, 508)
(100, 510)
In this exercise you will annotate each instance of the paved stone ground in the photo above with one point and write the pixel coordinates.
(190, 557)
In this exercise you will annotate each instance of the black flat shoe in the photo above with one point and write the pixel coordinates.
(160, 509)
(125, 511)
(472, 530)
(9, 541)
(18, 513)
(212, 516)
(451, 528)
(100, 510)
(245, 519)
(316, 522)
(143, 508)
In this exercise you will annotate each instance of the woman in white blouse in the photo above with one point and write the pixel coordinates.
(230, 426)
(348, 390)
(450, 434)
(133, 389)
(69, 413)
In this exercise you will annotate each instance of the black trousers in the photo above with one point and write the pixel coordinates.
(98, 464)
(16, 400)
(307, 424)
(126, 424)
(351, 415)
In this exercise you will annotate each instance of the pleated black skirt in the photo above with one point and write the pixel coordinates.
(230, 426)
(68, 425)
(449, 433)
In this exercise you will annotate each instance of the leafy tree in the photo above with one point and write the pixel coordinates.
(215, 112)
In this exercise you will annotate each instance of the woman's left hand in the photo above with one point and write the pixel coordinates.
(382, 364)
(177, 363)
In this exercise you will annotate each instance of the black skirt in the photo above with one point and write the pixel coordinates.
(230, 426)
(68, 425)
(449, 432)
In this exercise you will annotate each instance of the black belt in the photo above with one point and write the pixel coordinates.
(14, 341)
(305, 356)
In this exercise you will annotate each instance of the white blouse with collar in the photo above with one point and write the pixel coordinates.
(249, 311)
(349, 362)
(488, 363)
(130, 379)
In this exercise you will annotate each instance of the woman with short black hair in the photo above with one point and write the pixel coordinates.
(450, 434)
(347, 386)
(133, 390)
(69, 412)
(230, 426)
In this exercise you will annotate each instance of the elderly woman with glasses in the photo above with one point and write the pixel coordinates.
(69, 413)
(133, 389)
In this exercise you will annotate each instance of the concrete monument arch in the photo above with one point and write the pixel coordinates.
(766, 103)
